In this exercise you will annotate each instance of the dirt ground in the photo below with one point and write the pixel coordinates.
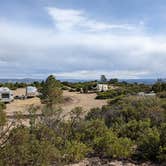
(21, 105)
(86, 101)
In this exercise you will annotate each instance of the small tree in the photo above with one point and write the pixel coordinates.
(51, 91)
(103, 78)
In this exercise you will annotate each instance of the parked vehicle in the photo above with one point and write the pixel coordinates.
(21, 97)
(102, 87)
(31, 91)
(6, 95)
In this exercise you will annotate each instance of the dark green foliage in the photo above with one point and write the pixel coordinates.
(75, 151)
(111, 94)
(13, 86)
(135, 108)
(159, 87)
(148, 144)
(51, 91)
(2, 114)
(134, 129)
(162, 94)
(113, 81)
(2, 118)
(162, 154)
(22, 148)
(85, 86)
(95, 113)
(103, 79)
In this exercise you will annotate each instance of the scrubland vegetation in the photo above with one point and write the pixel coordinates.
(127, 128)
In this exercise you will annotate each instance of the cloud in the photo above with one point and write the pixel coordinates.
(96, 74)
(31, 51)
(70, 19)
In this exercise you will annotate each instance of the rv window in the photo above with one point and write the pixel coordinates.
(5, 95)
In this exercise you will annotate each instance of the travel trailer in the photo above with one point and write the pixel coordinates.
(102, 87)
(31, 91)
(6, 95)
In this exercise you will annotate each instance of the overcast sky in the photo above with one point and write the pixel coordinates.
(83, 38)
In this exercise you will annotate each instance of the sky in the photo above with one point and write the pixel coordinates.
(82, 39)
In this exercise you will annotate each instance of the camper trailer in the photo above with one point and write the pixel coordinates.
(31, 91)
(102, 87)
(6, 95)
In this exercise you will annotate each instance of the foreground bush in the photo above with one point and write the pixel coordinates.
(131, 128)
(75, 151)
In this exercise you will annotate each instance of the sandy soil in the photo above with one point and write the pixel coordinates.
(86, 101)
(21, 105)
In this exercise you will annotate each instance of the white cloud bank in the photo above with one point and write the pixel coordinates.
(69, 19)
(28, 51)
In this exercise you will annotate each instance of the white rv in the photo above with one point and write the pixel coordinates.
(31, 91)
(102, 87)
(6, 95)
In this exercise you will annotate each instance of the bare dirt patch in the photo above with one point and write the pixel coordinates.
(21, 106)
(72, 100)
(86, 101)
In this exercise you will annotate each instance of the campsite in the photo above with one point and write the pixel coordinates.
(76, 99)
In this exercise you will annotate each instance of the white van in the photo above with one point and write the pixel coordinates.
(6, 95)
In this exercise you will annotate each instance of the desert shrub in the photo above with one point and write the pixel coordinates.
(102, 143)
(159, 87)
(162, 94)
(135, 108)
(162, 130)
(92, 129)
(23, 148)
(75, 151)
(121, 148)
(149, 144)
(2, 115)
(109, 145)
(134, 129)
(2, 106)
(162, 154)
(95, 113)
(111, 94)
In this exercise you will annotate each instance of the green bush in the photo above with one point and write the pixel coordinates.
(121, 148)
(75, 151)
(23, 148)
(95, 113)
(2, 114)
(135, 108)
(149, 145)
(162, 154)
(161, 94)
(134, 129)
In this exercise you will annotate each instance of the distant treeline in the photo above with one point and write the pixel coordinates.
(14, 86)
(121, 88)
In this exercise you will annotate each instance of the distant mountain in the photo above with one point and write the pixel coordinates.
(24, 80)
(30, 80)
(140, 81)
